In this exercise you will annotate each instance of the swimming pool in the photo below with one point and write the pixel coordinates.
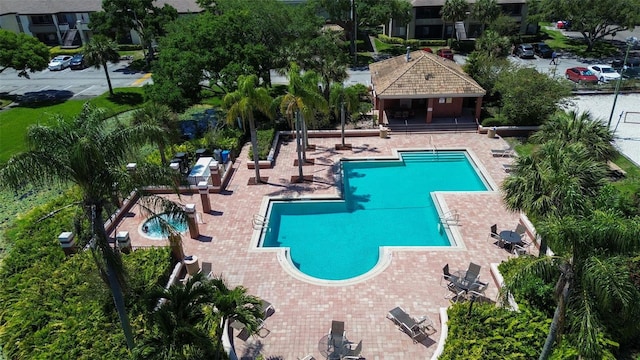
(385, 203)
(154, 229)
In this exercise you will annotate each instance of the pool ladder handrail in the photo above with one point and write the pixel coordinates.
(451, 217)
(259, 222)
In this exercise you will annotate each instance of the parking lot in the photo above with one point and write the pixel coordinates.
(67, 83)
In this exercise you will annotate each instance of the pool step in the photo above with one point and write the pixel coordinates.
(424, 157)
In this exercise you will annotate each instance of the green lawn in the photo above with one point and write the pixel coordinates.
(14, 122)
(558, 41)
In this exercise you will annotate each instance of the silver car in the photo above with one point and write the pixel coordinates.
(60, 62)
(525, 51)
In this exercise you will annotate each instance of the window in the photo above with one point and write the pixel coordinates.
(428, 12)
(41, 19)
(445, 100)
(512, 9)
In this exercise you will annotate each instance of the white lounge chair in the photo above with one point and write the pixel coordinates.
(508, 152)
(353, 354)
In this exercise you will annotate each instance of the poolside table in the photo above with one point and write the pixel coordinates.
(510, 237)
(328, 349)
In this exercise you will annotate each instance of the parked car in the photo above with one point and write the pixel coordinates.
(542, 50)
(427, 49)
(60, 62)
(631, 62)
(581, 75)
(631, 73)
(525, 51)
(445, 53)
(604, 73)
(77, 62)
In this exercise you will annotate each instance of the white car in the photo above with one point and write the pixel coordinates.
(604, 73)
(60, 62)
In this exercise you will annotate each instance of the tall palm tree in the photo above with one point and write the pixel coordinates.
(90, 153)
(234, 304)
(595, 292)
(100, 51)
(344, 98)
(557, 179)
(159, 115)
(486, 11)
(242, 103)
(177, 330)
(302, 96)
(574, 127)
(452, 11)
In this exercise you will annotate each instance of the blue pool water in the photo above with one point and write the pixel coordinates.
(386, 203)
(155, 231)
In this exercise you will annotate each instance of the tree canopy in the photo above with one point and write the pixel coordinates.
(118, 16)
(210, 50)
(369, 13)
(22, 53)
(594, 19)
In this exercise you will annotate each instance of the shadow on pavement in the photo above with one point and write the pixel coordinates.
(42, 98)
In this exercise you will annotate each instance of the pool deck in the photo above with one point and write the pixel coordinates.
(304, 311)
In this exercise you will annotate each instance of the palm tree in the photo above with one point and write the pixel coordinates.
(100, 51)
(453, 10)
(90, 153)
(574, 127)
(342, 98)
(242, 104)
(159, 115)
(486, 11)
(595, 292)
(177, 326)
(557, 179)
(302, 96)
(234, 304)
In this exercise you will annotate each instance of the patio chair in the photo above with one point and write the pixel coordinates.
(353, 353)
(493, 235)
(446, 276)
(521, 230)
(520, 249)
(508, 167)
(454, 293)
(409, 325)
(473, 272)
(337, 335)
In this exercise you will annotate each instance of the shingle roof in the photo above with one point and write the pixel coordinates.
(425, 75)
(33, 7)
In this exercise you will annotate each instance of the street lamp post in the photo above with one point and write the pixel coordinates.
(630, 42)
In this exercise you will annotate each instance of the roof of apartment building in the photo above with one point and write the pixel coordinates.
(425, 74)
(35, 7)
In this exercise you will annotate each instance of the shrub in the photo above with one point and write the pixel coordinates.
(129, 47)
(533, 291)
(265, 139)
(497, 120)
(491, 332)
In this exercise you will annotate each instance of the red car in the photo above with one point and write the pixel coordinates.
(581, 75)
(445, 53)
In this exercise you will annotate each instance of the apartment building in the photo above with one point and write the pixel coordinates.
(427, 22)
(64, 22)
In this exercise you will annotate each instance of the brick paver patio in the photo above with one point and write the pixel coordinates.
(303, 311)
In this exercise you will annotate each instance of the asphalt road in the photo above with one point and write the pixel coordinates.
(67, 84)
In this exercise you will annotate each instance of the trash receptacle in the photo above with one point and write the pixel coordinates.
(225, 156)
(217, 155)
(384, 132)
(491, 132)
(191, 262)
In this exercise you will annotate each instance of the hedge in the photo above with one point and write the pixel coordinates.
(492, 332)
(265, 139)
(58, 307)
(412, 42)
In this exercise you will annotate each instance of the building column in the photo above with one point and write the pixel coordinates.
(478, 107)
(190, 209)
(429, 110)
(203, 189)
(380, 104)
(67, 242)
(123, 241)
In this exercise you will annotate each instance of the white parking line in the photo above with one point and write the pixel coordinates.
(42, 89)
(83, 90)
